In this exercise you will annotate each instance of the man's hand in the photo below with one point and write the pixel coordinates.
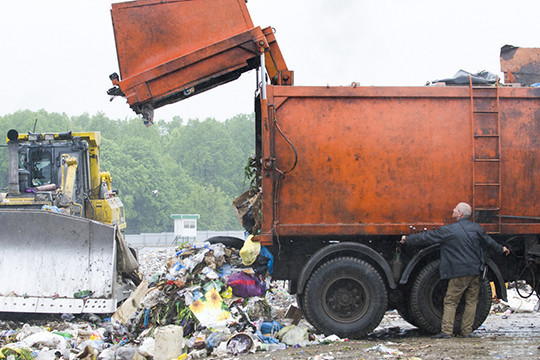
(506, 251)
(404, 237)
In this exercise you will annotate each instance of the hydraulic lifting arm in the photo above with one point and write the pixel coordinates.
(69, 170)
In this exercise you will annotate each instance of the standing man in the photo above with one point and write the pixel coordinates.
(462, 262)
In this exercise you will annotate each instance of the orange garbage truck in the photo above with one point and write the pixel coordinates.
(343, 172)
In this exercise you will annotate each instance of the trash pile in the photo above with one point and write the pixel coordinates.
(206, 299)
(521, 298)
(195, 301)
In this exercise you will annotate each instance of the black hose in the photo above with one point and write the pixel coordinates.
(533, 281)
(290, 144)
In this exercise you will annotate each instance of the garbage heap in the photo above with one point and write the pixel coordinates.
(206, 299)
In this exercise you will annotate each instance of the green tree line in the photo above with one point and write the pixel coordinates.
(197, 167)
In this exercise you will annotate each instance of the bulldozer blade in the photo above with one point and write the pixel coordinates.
(55, 263)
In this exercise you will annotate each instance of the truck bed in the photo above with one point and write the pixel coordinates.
(377, 160)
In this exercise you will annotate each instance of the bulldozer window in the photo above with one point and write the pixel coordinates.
(41, 167)
(22, 161)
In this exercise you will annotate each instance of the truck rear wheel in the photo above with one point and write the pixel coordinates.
(427, 301)
(405, 312)
(345, 296)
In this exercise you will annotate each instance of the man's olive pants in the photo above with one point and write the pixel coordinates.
(457, 287)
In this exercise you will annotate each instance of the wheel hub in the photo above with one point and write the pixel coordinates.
(345, 299)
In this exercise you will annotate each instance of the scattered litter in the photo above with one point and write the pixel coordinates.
(194, 301)
(463, 77)
(294, 335)
(507, 313)
(380, 348)
(168, 342)
(250, 251)
(322, 357)
(241, 343)
(516, 303)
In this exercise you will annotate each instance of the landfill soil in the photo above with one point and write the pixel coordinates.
(512, 331)
(516, 336)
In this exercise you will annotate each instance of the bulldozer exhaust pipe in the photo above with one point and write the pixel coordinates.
(13, 162)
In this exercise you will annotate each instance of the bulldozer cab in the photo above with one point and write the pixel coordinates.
(40, 161)
(61, 228)
(61, 170)
(40, 167)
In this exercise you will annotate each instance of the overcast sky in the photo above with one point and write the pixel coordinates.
(57, 54)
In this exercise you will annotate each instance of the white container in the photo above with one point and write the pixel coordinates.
(169, 342)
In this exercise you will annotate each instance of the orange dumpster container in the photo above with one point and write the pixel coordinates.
(169, 50)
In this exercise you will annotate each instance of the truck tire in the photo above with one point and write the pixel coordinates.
(427, 301)
(300, 303)
(228, 241)
(345, 296)
(405, 312)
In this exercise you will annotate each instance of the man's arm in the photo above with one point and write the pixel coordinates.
(426, 237)
(494, 245)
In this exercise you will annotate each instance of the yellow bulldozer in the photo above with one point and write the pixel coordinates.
(63, 249)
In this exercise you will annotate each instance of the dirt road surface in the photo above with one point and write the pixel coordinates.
(515, 336)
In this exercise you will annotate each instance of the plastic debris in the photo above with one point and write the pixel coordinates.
(45, 339)
(241, 343)
(215, 339)
(245, 285)
(294, 335)
(197, 300)
(380, 348)
(169, 342)
(463, 77)
(250, 251)
(16, 352)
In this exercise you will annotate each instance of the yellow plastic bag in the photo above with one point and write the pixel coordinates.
(250, 250)
(227, 293)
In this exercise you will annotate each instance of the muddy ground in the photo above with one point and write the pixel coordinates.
(515, 336)
(502, 336)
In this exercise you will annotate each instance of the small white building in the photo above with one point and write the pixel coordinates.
(185, 227)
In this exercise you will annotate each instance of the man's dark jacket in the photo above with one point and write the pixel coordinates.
(461, 255)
